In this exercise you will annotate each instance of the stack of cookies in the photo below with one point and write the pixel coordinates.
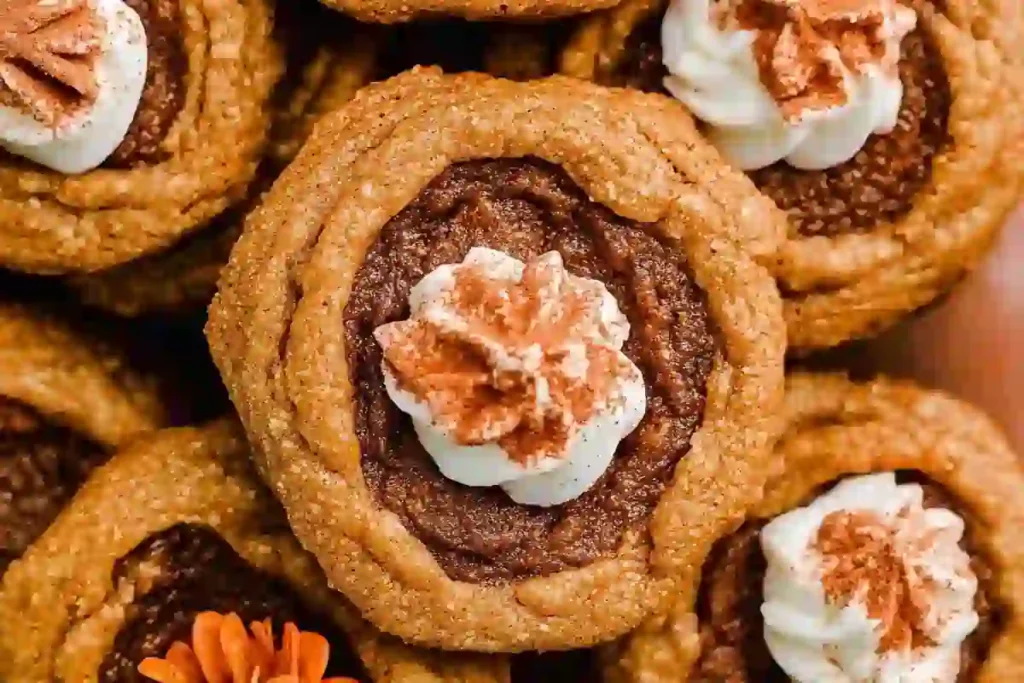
(501, 293)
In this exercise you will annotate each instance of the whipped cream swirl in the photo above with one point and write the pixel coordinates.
(71, 79)
(866, 585)
(805, 81)
(514, 376)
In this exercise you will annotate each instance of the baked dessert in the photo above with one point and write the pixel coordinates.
(467, 533)
(327, 59)
(174, 541)
(126, 124)
(65, 402)
(888, 548)
(394, 11)
(886, 148)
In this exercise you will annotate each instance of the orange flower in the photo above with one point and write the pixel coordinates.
(224, 652)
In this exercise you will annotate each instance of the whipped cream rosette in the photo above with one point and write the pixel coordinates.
(514, 376)
(804, 82)
(868, 584)
(872, 124)
(93, 56)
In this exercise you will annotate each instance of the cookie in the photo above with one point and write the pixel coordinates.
(595, 193)
(158, 127)
(173, 533)
(880, 233)
(860, 462)
(327, 59)
(394, 11)
(66, 402)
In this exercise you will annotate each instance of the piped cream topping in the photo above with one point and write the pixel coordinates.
(71, 78)
(866, 585)
(514, 376)
(807, 81)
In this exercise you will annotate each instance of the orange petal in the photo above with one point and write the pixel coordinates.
(262, 646)
(161, 671)
(234, 643)
(206, 645)
(184, 660)
(315, 653)
(288, 657)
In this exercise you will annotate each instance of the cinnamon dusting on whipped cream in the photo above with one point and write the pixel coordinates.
(521, 361)
(804, 48)
(861, 559)
(48, 55)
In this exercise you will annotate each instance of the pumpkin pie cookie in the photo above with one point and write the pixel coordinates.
(888, 548)
(173, 557)
(126, 123)
(879, 126)
(471, 479)
(65, 403)
(327, 59)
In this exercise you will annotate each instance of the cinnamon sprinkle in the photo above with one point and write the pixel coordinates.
(804, 47)
(48, 54)
(548, 324)
(223, 651)
(861, 561)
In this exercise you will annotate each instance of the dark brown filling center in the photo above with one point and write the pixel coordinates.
(880, 183)
(526, 207)
(729, 606)
(197, 571)
(164, 92)
(41, 466)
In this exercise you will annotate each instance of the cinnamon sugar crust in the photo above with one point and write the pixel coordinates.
(178, 523)
(837, 428)
(327, 60)
(173, 173)
(275, 334)
(867, 247)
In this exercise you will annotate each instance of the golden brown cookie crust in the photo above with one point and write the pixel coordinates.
(854, 285)
(185, 276)
(393, 11)
(62, 589)
(51, 222)
(276, 336)
(837, 428)
(74, 380)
